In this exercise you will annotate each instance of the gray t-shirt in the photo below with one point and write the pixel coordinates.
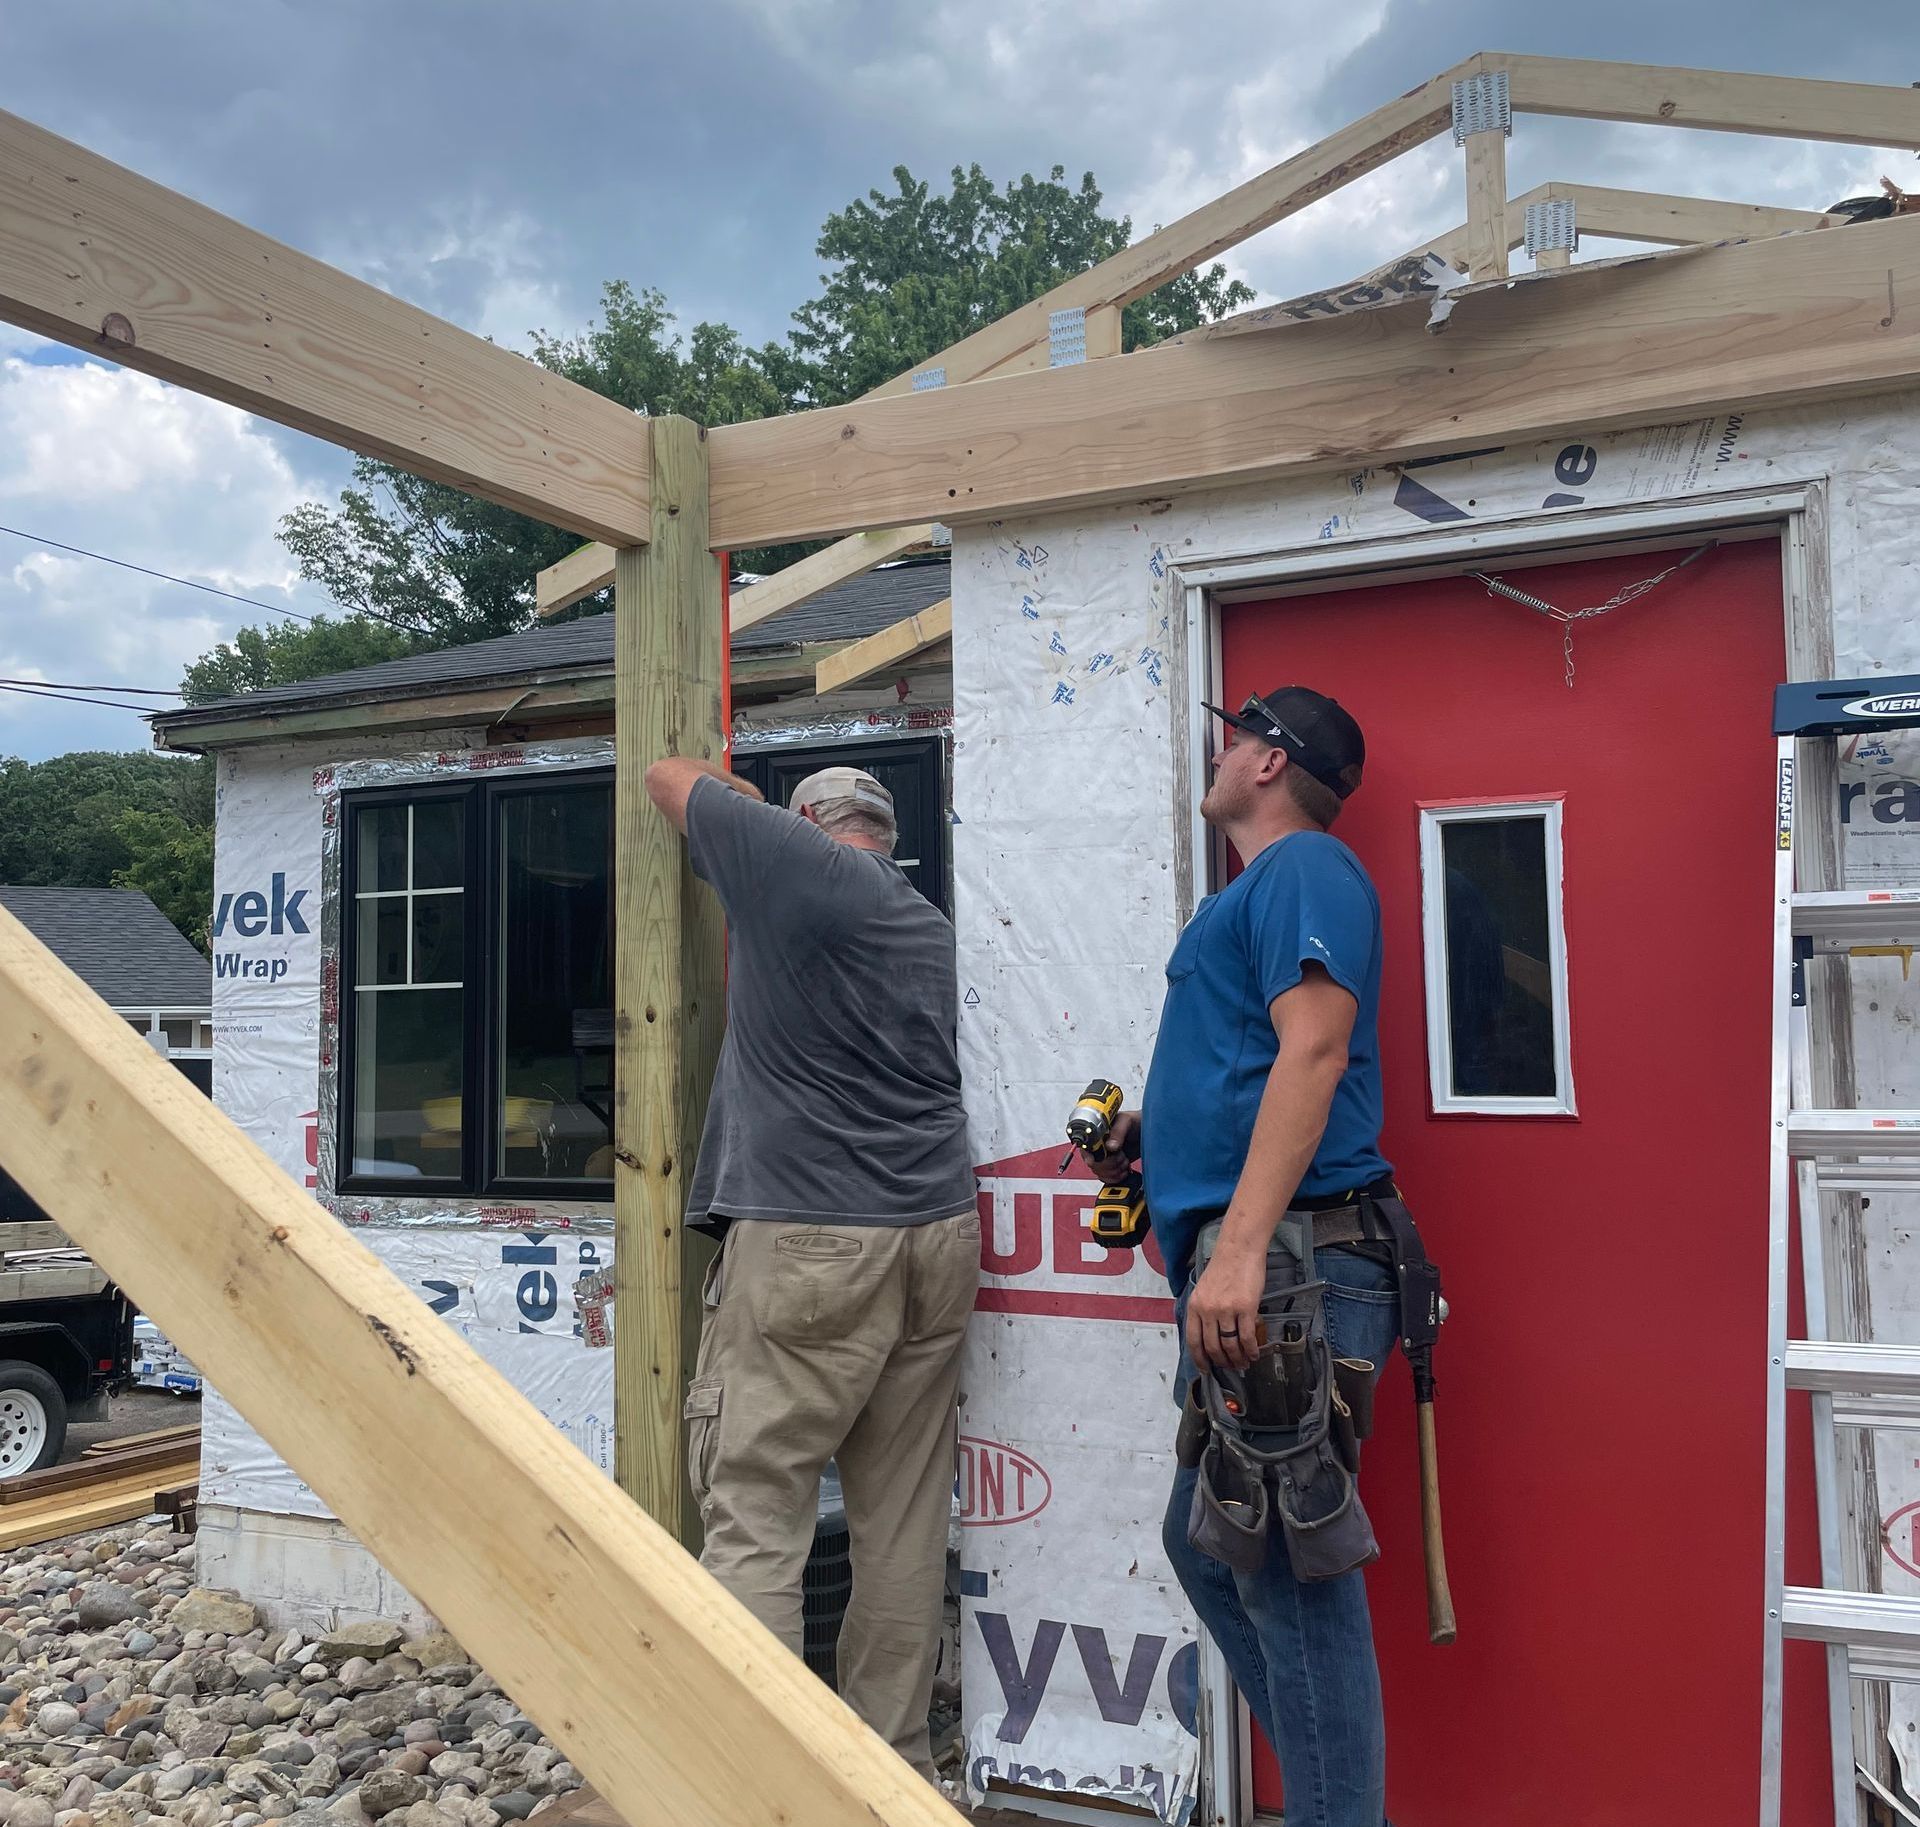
(837, 1095)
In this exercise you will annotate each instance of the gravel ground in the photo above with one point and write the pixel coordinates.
(127, 1697)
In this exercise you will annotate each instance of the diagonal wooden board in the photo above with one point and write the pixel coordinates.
(659, 1686)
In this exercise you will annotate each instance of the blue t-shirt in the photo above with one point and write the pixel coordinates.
(1303, 900)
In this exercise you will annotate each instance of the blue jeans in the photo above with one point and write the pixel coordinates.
(1303, 1654)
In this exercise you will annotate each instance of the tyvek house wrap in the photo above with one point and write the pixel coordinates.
(525, 1284)
(1070, 688)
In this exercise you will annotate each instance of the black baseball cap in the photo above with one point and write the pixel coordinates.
(1315, 731)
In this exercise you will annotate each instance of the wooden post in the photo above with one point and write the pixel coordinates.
(1486, 204)
(669, 966)
(1103, 332)
(1553, 256)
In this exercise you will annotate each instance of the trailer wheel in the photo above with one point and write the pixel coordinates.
(33, 1418)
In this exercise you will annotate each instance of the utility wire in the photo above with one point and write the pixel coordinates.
(167, 577)
(68, 697)
(126, 691)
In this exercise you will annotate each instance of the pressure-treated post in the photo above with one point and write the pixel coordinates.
(669, 966)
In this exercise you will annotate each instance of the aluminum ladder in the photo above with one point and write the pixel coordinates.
(1869, 1635)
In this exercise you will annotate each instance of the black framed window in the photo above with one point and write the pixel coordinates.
(476, 1050)
(910, 770)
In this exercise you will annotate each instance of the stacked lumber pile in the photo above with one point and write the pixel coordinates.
(115, 1481)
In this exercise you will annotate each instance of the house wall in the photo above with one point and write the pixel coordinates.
(1074, 871)
(504, 1275)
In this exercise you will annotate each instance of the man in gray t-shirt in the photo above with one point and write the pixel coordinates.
(835, 1166)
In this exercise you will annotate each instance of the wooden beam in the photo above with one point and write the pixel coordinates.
(576, 576)
(670, 961)
(1645, 215)
(804, 579)
(1487, 243)
(1720, 101)
(1792, 318)
(658, 1685)
(95, 256)
(913, 634)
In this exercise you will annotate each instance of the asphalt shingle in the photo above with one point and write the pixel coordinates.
(118, 943)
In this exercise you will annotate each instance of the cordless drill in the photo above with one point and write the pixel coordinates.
(1119, 1216)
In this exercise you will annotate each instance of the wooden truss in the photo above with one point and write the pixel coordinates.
(658, 1686)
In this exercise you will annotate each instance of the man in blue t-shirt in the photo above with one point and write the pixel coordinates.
(1264, 1096)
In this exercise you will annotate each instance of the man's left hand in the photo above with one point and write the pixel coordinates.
(1224, 1309)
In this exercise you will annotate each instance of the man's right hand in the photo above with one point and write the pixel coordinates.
(1116, 1160)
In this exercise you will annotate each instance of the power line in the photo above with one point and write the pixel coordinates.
(126, 691)
(68, 697)
(187, 583)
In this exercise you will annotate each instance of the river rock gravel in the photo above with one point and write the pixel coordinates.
(128, 1696)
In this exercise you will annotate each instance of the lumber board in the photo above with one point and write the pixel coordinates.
(187, 1432)
(98, 257)
(901, 641)
(24, 1528)
(664, 1691)
(1720, 101)
(575, 577)
(1792, 318)
(1487, 242)
(670, 963)
(84, 1473)
(1673, 221)
(799, 582)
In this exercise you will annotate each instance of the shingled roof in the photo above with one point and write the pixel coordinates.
(861, 606)
(118, 943)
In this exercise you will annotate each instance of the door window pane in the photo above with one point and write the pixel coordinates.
(382, 859)
(555, 982)
(1496, 959)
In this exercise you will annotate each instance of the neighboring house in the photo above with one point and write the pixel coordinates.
(137, 962)
(415, 1015)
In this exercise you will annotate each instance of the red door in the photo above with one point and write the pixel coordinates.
(1601, 1393)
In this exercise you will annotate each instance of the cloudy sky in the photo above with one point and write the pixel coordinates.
(496, 160)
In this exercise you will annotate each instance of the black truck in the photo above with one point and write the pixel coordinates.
(66, 1336)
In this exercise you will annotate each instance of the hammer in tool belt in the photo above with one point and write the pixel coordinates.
(1421, 1311)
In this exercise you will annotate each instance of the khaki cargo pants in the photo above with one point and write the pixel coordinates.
(837, 1342)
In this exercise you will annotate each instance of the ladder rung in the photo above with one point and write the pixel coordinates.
(1866, 1176)
(1842, 1368)
(1873, 1621)
(1838, 920)
(1853, 1132)
(1871, 1385)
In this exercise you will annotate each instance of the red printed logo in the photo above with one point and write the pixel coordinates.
(1037, 1256)
(1900, 1536)
(999, 1484)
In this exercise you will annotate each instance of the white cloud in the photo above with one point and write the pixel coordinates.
(115, 462)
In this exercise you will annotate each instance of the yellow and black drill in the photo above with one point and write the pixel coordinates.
(1119, 1216)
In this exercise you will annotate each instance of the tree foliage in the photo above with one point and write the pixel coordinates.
(916, 270)
(107, 820)
(287, 652)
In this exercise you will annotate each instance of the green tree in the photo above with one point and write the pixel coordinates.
(172, 865)
(287, 652)
(87, 820)
(917, 270)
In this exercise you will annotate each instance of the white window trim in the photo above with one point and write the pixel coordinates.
(1433, 934)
